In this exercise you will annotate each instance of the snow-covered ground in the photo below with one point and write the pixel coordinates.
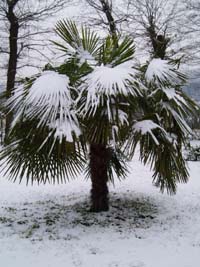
(49, 226)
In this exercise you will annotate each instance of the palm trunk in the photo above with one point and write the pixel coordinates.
(99, 159)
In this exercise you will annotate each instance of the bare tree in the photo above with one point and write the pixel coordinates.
(153, 22)
(106, 16)
(150, 22)
(191, 21)
(22, 24)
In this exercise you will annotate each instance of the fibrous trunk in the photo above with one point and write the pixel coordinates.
(99, 160)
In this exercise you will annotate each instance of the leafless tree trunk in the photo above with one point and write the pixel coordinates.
(105, 7)
(189, 27)
(12, 64)
(154, 21)
(149, 21)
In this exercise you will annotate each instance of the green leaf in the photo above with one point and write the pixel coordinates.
(80, 43)
(25, 158)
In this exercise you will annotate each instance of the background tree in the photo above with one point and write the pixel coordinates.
(105, 7)
(107, 15)
(189, 28)
(146, 21)
(153, 20)
(98, 104)
(21, 21)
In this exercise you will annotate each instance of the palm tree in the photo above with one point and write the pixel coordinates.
(92, 111)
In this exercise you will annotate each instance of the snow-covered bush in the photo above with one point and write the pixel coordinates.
(192, 153)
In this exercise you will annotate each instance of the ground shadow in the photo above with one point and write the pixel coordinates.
(54, 218)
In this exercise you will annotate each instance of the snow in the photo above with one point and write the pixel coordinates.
(49, 226)
(109, 81)
(160, 70)
(146, 126)
(49, 100)
(172, 94)
(84, 55)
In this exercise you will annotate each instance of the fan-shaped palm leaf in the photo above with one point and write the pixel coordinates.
(164, 73)
(85, 44)
(48, 100)
(27, 158)
(114, 51)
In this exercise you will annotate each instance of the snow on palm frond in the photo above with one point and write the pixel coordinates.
(178, 117)
(161, 149)
(172, 94)
(43, 144)
(146, 127)
(178, 101)
(107, 82)
(182, 102)
(85, 56)
(16, 98)
(49, 101)
(111, 81)
(162, 71)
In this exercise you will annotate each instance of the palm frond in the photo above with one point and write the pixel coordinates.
(104, 85)
(161, 128)
(169, 168)
(74, 70)
(164, 73)
(29, 157)
(117, 165)
(114, 54)
(162, 151)
(68, 31)
(85, 44)
(48, 100)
